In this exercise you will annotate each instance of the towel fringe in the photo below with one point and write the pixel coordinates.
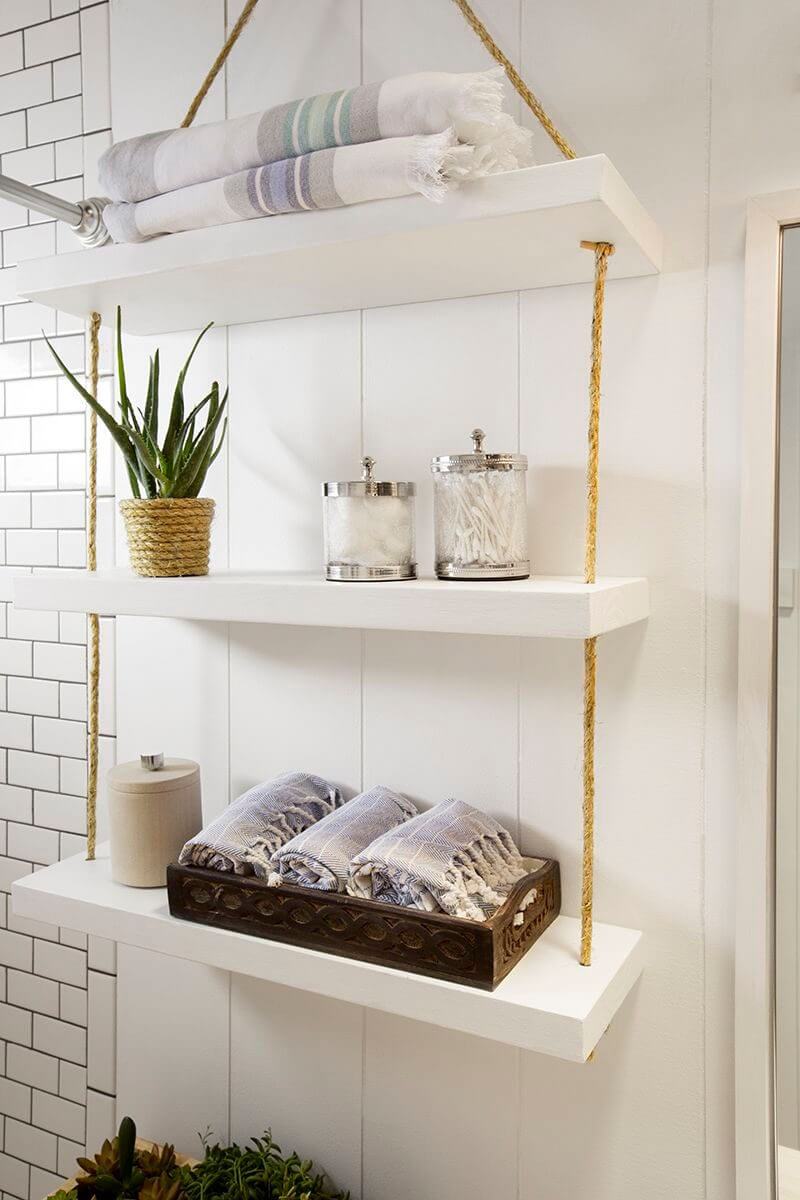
(479, 119)
(435, 160)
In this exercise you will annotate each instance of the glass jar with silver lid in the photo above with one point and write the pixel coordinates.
(480, 514)
(369, 528)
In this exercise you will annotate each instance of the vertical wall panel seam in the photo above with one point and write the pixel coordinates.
(704, 941)
(363, 651)
(226, 100)
(518, 1058)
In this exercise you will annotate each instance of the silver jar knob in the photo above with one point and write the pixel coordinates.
(152, 762)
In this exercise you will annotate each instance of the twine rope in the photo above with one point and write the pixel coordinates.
(602, 253)
(534, 104)
(93, 716)
(219, 62)
(93, 721)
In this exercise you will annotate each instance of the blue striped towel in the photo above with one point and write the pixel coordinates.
(320, 856)
(453, 859)
(245, 836)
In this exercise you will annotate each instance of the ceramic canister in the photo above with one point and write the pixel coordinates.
(154, 808)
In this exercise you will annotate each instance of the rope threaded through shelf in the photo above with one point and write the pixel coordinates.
(602, 253)
(93, 649)
(534, 104)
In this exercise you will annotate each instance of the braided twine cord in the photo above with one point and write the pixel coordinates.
(534, 104)
(92, 728)
(141, 546)
(186, 536)
(218, 63)
(602, 253)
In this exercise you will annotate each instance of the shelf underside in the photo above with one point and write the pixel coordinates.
(556, 607)
(549, 1003)
(514, 231)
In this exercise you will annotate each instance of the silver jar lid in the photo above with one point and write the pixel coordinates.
(478, 460)
(367, 486)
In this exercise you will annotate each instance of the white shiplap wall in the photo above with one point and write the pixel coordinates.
(391, 1107)
(57, 1076)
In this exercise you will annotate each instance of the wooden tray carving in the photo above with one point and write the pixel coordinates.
(460, 951)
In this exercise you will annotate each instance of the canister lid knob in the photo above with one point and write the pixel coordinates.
(477, 436)
(367, 464)
(152, 762)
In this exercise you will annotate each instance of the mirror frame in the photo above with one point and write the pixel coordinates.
(756, 1167)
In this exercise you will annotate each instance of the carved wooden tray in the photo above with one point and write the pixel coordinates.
(460, 951)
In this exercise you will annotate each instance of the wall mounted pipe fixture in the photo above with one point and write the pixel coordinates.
(85, 218)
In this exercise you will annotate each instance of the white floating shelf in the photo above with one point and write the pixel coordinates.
(518, 230)
(560, 607)
(549, 1003)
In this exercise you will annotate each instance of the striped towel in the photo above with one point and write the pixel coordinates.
(322, 179)
(453, 859)
(320, 857)
(424, 103)
(245, 836)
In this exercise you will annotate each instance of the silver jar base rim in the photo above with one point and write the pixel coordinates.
(509, 570)
(348, 573)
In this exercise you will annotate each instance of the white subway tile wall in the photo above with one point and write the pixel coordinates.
(57, 991)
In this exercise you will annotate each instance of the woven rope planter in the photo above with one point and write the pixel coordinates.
(168, 537)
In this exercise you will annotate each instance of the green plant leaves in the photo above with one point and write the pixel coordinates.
(178, 467)
(258, 1171)
(127, 1145)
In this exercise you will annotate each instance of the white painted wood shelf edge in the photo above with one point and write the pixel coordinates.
(507, 232)
(557, 607)
(548, 1004)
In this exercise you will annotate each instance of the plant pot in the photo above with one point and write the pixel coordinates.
(168, 538)
(141, 1144)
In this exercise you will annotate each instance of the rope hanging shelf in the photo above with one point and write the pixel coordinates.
(602, 252)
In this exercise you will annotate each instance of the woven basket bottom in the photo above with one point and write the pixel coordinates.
(168, 538)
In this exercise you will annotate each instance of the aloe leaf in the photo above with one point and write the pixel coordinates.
(213, 453)
(146, 457)
(147, 415)
(87, 395)
(201, 451)
(156, 379)
(188, 442)
(134, 482)
(123, 390)
(119, 433)
(197, 408)
(186, 438)
(176, 416)
(124, 399)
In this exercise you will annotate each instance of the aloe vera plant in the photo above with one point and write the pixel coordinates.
(176, 467)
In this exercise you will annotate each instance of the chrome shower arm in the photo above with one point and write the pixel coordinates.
(85, 218)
